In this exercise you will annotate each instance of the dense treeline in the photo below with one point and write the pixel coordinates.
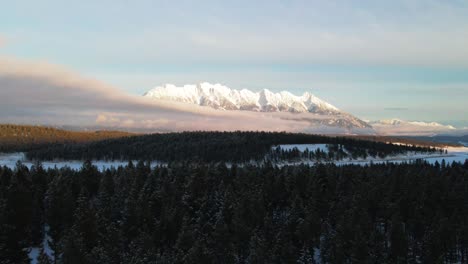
(332, 153)
(425, 141)
(205, 146)
(24, 138)
(193, 213)
(442, 139)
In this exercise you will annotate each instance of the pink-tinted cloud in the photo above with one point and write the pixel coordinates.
(41, 93)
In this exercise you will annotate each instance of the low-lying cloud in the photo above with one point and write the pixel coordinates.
(41, 93)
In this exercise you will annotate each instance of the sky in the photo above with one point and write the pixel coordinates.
(404, 59)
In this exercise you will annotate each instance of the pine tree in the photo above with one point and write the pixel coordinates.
(43, 258)
(398, 241)
(90, 177)
(258, 248)
(305, 256)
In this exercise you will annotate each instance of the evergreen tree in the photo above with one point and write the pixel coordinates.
(43, 258)
(398, 241)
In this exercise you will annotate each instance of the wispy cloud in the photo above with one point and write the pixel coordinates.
(369, 46)
(427, 33)
(396, 108)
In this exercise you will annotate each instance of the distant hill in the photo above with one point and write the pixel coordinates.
(444, 139)
(25, 137)
(423, 141)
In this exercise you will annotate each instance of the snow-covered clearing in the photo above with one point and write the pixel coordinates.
(454, 154)
(10, 159)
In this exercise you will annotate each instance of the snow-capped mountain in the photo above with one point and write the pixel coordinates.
(401, 127)
(221, 97)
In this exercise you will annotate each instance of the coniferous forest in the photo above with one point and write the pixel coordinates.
(213, 213)
(25, 138)
(212, 147)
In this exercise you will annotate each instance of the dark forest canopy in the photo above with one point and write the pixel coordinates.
(207, 147)
(24, 137)
(424, 141)
(210, 213)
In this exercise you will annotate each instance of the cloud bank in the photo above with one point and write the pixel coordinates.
(41, 93)
(413, 128)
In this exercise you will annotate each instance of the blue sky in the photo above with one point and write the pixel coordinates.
(406, 59)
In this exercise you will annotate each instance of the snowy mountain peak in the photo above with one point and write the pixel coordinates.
(222, 97)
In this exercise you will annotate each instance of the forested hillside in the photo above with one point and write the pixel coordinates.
(205, 213)
(453, 140)
(408, 140)
(207, 147)
(21, 138)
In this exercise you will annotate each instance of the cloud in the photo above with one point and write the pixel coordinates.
(42, 93)
(412, 128)
(381, 45)
(396, 109)
(420, 32)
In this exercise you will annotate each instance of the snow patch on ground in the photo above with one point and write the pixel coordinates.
(34, 252)
(34, 255)
(317, 255)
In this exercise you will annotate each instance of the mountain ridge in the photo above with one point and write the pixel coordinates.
(221, 97)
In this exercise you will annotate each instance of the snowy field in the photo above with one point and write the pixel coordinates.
(10, 159)
(454, 154)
